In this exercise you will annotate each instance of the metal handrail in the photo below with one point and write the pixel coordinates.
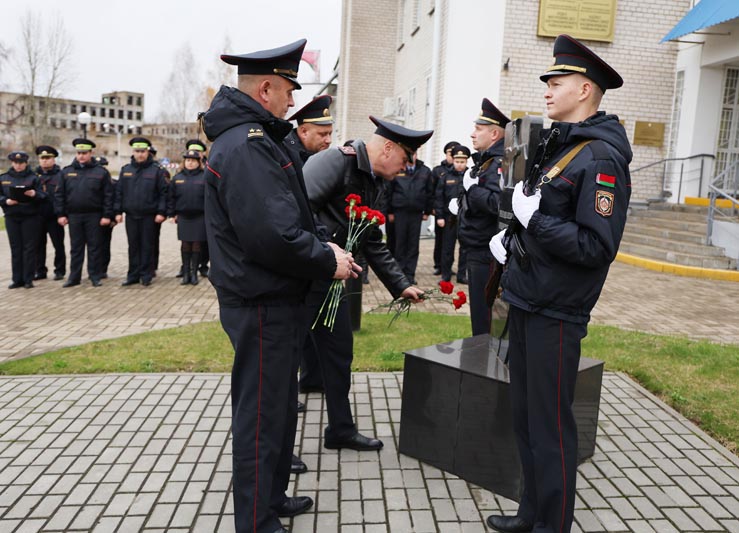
(682, 160)
(718, 189)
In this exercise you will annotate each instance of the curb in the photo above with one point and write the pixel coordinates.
(680, 270)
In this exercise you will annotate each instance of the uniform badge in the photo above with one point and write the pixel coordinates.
(255, 133)
(604, 203)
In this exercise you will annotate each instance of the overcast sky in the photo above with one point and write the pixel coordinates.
(124, 45)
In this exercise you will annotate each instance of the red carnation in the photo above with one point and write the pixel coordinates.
(348, 211)
(460, 300)
(446, 287)
(376, 217)
(362, 211)
(353, 199)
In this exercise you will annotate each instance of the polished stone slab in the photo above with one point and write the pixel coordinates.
(456, 412)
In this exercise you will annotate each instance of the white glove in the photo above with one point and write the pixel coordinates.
(454, 206)
(497, 248)
(468, 181)
(525, 206)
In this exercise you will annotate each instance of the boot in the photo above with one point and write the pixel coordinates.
(186, 268)
(194, 262)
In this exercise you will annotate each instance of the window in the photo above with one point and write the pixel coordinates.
(93, 111)
(401, 24)
(120, 113)
(727, 149)
(111, 113)
(130, 100)
(83, 108)
(417, 12)
(130, 115)
(73, 108)
(138, 101)
(138, 115)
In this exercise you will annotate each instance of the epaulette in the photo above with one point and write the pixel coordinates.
(599, 150)
(348, 150)
(255, 132)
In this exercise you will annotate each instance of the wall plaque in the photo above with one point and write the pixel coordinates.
(593, 20)
(649, 133)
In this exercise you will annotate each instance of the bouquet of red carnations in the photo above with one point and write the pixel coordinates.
(443, 293)
(360, 219)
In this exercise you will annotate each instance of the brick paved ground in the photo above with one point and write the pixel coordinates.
(126, 453)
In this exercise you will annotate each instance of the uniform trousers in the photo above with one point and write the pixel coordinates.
(438, 245)
(267, 340)
(310, 369)
(50, 227)
(107, 235)
(140, 232)
(335, 350)
(479, 266)
(84, 231)
(407, 237)
(447, 253)
(23, 234)
(544, 357)
(155, 248)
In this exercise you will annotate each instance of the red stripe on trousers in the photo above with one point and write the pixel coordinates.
(559, 427)
(259, 412)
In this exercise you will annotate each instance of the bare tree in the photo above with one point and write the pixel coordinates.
(4, 55)
(219, 74)
(44, 65)
(182, 88)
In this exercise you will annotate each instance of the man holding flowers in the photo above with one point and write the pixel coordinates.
(334, 179)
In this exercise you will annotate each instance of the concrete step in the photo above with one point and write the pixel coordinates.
(634, 237)
(669, 214)
(665, 233)
(679, 258)
(679, 208)
(667, 224)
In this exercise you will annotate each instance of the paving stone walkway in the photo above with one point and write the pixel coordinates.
(127, 453)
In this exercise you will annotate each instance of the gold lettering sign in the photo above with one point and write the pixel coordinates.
(593, 20)
(516, 113)
(649, 133)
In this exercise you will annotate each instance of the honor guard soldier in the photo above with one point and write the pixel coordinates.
(570, 227)
(410, 202)
(315, 127)
(50, 174)
(359, 168)
(141, 193)
(438, 172)
(187, 205)
(478, 208)
(21, 198)
(265, 252)
(448, 192)
(84, 200)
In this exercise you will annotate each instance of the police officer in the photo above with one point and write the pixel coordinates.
(106, 231)
(360, 168)
(478, 208)
(570, 229)
(448, 192)
(84, 200)
(200, 147)
(410, 202)
(21, 197)
(187, 205)
(141, 193)
(438, 173)
(50, 174)
(312, 135)
(263, 243)
(315, 127)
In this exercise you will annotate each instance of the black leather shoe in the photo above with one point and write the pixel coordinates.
(357, 442)
(301, 407)
(204, 271)
(437, 271)
(295, 506)
(96, 283)
(462, 281)
(146, 282)
(39, 276)
(509, 524)
(298, 466)
(58, 277)
(15, 285)
(28, 285)
(129, 282)
(71, 284)
(281, 530)
(305, 389)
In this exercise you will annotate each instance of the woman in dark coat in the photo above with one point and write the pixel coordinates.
(20, 198)
(187, 205)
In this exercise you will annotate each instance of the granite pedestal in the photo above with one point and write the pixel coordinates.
(456, 412)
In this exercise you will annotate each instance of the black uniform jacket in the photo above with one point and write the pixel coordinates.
(292, 141)
(478, 207)
(84, 189)
(27, 178)
(49, 182)
(412, 190)
(333, 174)
(261, 234)
(574, 236)
(187, 193)
(142, 189)
(449, 187)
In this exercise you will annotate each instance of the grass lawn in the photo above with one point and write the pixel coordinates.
(699, 379)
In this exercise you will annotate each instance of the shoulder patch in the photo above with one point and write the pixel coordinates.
(604, 203)
(254, 132)
(348, 150)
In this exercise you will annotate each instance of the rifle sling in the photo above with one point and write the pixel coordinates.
(560, 165)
